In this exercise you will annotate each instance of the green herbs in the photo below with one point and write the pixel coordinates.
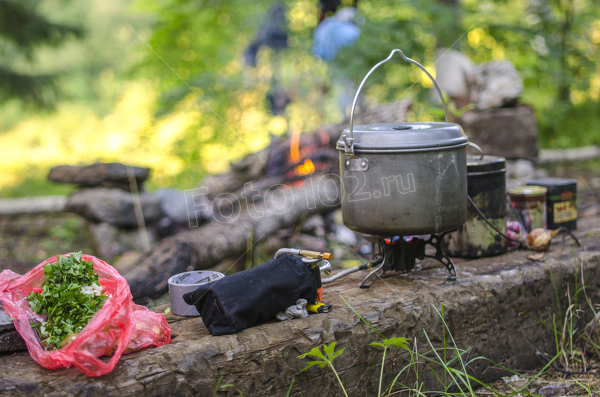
(71, 295)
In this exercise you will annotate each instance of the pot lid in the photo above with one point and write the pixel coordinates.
(405, 136)
(476, 164)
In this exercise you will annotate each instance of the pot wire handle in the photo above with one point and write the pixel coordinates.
(407, 59)
(476, 147)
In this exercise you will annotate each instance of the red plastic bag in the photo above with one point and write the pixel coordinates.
(119, 327)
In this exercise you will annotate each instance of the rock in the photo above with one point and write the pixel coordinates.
(314, 225)
(113, 206)
(109, 241)
(452, 69)
(553, 390)
(509, 132)
(165, 227)
(495, 84)
(98, 174)
(572, 154)
(520, 169)
(345, 235)
(184, 207)
(10, 340)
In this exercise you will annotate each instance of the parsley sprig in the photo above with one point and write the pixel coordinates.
(68, 309)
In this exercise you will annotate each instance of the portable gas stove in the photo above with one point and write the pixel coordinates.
(400, 254)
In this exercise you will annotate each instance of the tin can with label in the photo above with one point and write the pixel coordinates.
(561, 201)
(530, 203)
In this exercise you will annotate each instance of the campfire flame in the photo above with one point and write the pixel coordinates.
(297, 154)
(295, 147)
(304, 169)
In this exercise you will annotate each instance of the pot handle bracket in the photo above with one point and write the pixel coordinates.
(349, 141)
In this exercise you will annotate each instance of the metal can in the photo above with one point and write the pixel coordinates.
(486, 185)
(183, 283)
(561, 201)
(530, 204)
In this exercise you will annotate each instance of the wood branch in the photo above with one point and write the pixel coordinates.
(207, 246)
(252, 166)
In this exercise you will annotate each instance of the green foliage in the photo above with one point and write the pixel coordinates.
(23, 29)
(566, 125)
(35, 182)
(325, 359)
(68, 309)
(401, 343)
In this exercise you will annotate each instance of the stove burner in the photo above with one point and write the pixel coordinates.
(401, 252)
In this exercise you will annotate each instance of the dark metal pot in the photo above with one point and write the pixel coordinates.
(403, 178)
(486, 180)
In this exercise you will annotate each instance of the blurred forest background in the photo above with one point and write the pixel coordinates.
(186, 86)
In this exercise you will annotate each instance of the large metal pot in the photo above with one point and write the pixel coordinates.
(403, 178)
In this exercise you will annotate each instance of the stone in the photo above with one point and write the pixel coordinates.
(508, 132)
(452, 69)
(184, 207)
(572, 154)
(345, 235)
(10, 340)
(520, 169)
(495, 84)
(553, 390)
(113, 206)
(109, 241)
(314, 225)
(98, 174)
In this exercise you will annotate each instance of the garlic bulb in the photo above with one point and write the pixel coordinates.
(539, 239)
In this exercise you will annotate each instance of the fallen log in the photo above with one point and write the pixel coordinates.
(227, 236)
(493, 309)
(32, 205)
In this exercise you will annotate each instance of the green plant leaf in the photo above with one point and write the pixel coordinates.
(289, 392)
(329, 349)
(217, 387)
(315, 352)
(62, 299)
(377, 344)
(321, 364)
(336, 354)
(401, 343)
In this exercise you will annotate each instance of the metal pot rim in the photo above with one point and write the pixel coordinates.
(388, 137)
(404, 149)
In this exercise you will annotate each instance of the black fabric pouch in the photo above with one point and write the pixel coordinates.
(239, 301)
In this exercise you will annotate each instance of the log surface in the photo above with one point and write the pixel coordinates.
(482, 310)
